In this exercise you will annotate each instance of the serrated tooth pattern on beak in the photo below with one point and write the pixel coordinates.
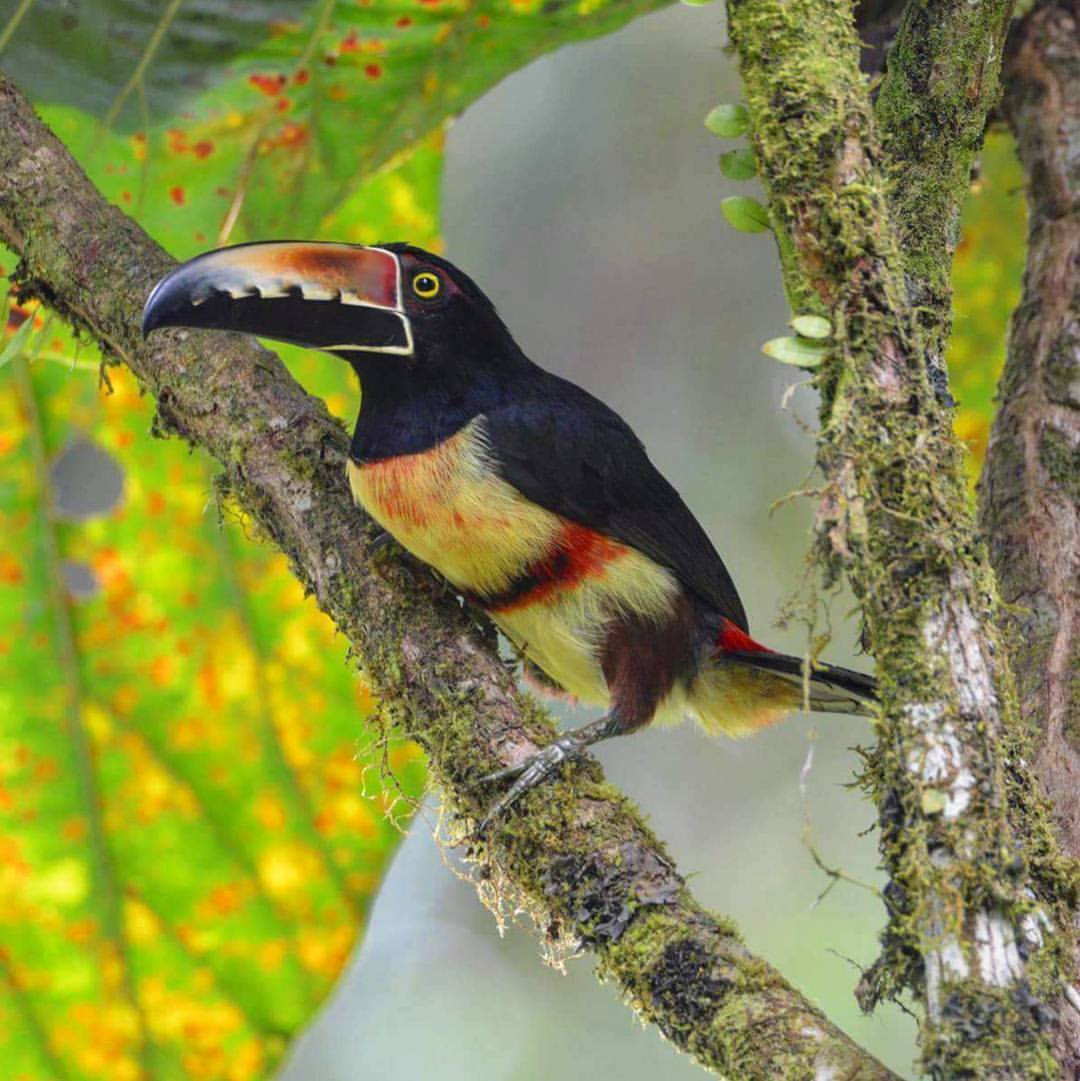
(359, 289)
(272, 290)
(319, 292)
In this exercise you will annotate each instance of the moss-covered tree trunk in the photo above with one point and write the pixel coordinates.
(1030, 490)
(865, 204)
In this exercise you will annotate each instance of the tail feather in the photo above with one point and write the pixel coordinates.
(832, 689)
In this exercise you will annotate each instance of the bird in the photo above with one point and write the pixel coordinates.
(531, 497)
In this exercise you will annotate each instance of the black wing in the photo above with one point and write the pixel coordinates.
(567, 451)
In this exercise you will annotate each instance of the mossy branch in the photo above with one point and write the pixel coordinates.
(940, 84)
(578, 856)
(980, 899)
(1030, 489)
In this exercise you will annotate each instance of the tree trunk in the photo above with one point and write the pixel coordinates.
(865, 206)
(1030, 488)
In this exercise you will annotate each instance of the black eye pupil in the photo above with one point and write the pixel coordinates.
(426, 283)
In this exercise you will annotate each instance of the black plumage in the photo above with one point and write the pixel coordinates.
(567, 451)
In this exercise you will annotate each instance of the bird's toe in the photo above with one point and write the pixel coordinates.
(529, 773)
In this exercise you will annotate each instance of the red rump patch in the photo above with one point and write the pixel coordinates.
(576, 555)
(733, 639)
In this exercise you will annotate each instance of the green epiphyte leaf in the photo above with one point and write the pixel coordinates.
(728, 121)
(738, 164)
(815, 327)
(798, 352)
(745, 214)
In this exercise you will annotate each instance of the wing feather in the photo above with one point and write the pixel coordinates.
(571, 454)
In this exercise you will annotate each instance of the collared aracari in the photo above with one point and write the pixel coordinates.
(531, 497)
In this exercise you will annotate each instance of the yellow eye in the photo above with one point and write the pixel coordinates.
(426, 285)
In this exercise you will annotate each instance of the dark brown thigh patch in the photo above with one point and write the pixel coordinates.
(642, 659)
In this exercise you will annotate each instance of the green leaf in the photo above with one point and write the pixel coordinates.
(259, 120)
(728, 121)
(738, 164)
(182, 789)
(189, 836)
(795, 351)
(987, 278)
(745, 214)
(190, 840)
(17, 342)
(815, 327)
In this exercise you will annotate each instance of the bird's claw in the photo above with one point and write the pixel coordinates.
(380, 541)
(531, 772)
(380, 550)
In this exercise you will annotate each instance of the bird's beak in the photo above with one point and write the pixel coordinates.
(338, 297)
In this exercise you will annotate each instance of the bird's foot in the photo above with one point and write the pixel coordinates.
(531, 772)
(380, 551)
(380, 541)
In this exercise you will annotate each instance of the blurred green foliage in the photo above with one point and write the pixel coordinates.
(987, 277)
(249, 118)
(187, 851)
(190, 831)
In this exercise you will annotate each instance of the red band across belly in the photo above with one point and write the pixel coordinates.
(577, 553)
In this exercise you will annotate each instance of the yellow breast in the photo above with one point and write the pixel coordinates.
(451, 509)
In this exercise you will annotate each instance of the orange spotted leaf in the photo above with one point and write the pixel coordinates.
(300, 106)
(987, 277)
(191, 829)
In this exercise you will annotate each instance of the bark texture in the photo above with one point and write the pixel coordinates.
(578, 856)
(980, 899)
(1030, 489)
(941, 81)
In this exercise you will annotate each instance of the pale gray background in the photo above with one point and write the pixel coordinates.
(583, 194)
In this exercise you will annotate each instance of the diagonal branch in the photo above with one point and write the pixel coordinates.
(980, 899)
(580, 858)
(1030, 491)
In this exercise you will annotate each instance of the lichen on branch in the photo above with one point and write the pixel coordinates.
(979, 899)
